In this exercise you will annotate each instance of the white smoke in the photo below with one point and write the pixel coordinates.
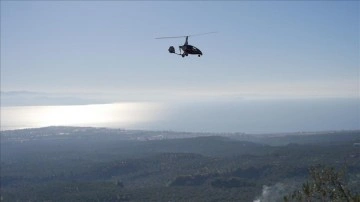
(275, 192)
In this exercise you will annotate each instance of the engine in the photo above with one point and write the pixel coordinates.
(171, 49)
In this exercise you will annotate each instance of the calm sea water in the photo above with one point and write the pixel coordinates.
(251, 116)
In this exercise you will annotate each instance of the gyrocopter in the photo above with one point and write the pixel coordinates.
(186, 48)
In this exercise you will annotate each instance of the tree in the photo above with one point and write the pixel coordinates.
(325, 184)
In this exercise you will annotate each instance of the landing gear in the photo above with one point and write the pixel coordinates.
(171, 49)
(199, 55)
(183, 55)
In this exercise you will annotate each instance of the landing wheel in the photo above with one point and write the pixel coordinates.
(182, 55)
(199, 55)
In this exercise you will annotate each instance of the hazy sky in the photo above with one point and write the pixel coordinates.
(262, 49)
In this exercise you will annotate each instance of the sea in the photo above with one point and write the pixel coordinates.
(245, 116)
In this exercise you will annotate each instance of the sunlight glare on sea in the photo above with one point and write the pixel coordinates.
(97, 115)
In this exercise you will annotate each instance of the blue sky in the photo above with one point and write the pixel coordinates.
(263, 49)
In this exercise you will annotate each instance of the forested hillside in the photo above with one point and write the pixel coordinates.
(91, 164)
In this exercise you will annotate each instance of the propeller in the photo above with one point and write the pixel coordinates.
(168, 37)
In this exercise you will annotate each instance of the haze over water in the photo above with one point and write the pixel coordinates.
(250, 116)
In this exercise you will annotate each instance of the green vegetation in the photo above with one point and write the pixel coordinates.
(92, 164)
(325, 184)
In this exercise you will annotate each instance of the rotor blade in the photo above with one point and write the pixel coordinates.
(168, 37)
(202, 34)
